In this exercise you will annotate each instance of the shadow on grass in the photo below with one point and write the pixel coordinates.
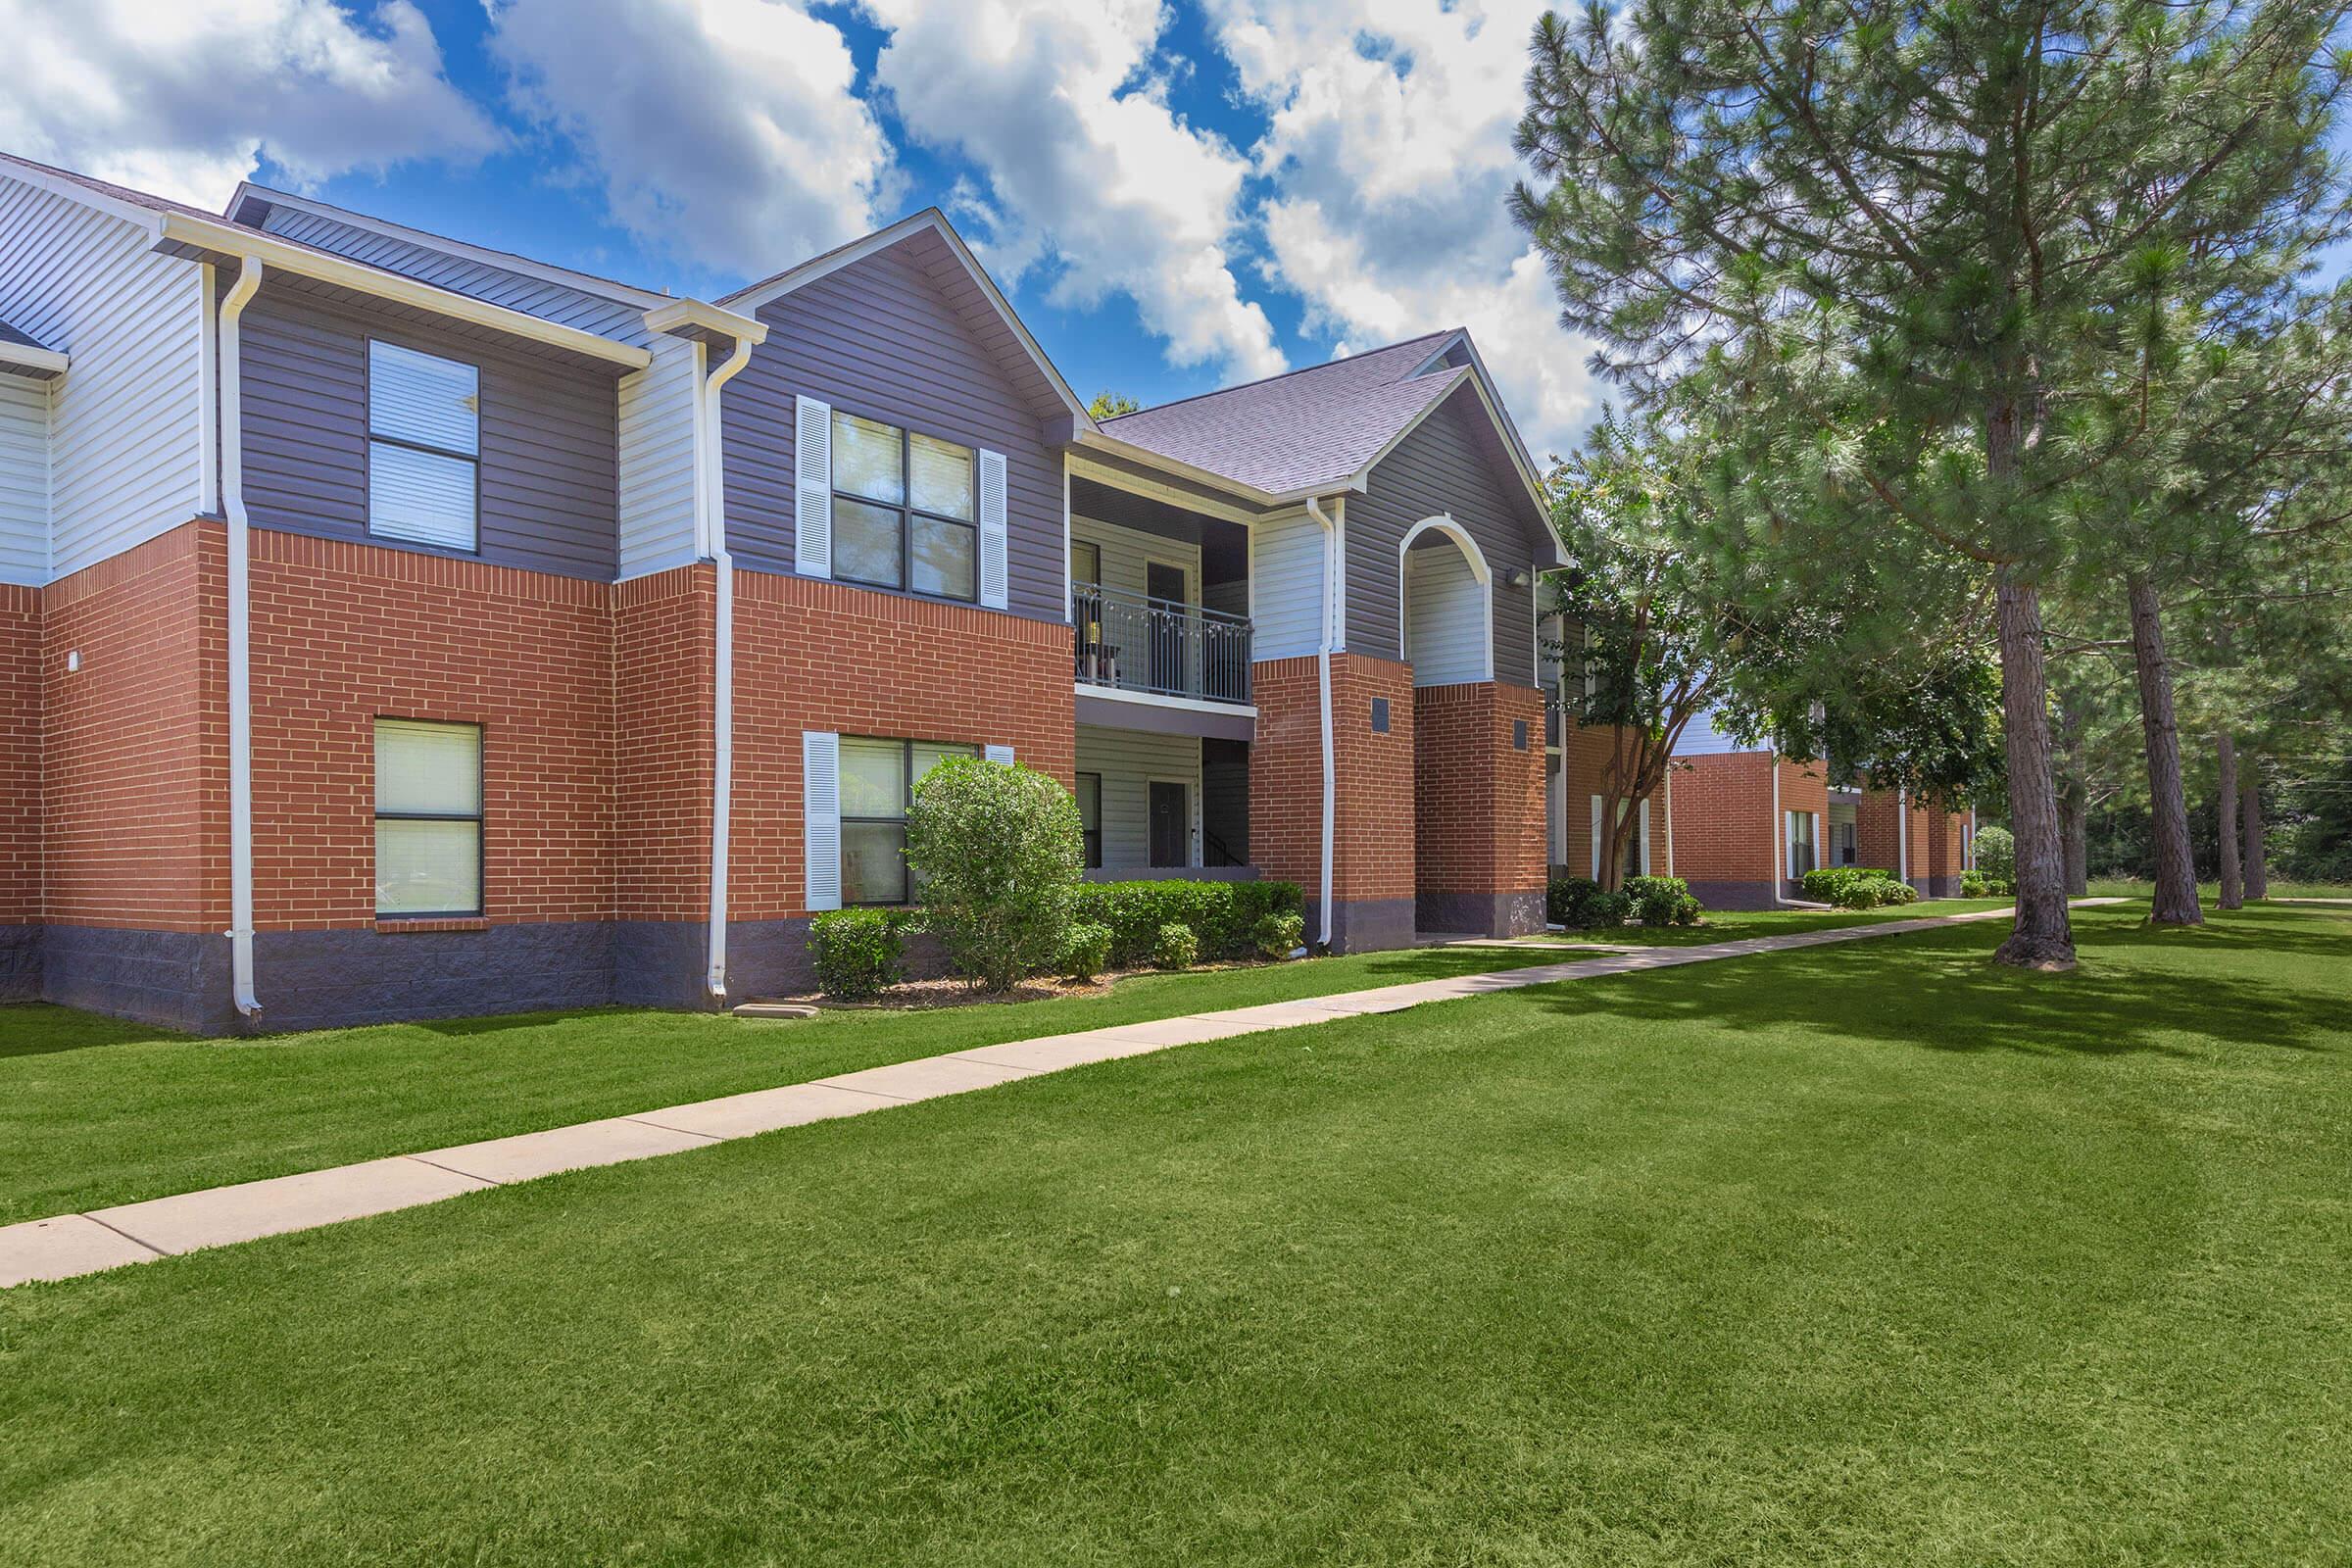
(38, 1028)
(1942, 991)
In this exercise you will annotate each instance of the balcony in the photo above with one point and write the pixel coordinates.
(1158, 647)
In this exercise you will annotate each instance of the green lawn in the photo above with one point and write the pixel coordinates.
(95, 1111)
(1868, 1252)
(1726, 926)
(2211, 892)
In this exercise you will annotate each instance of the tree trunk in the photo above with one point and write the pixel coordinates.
(2258, 871)
(2175, 901)
(2041, 937)
(2073, 798)
(2225, 754)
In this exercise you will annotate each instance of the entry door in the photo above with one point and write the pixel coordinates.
(1163, 585)
(1171, 823)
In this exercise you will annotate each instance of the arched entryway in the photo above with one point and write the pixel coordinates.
(1446, 605)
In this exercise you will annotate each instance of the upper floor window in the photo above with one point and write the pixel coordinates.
(423, 447)
(906, 510)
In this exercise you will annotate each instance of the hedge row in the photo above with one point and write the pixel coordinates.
(1856, 887)
(1223, 917)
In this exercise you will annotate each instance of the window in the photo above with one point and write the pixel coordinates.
(1844, 843)
(424, 448)
(1086, 562)
(1800, 844)
(877, 783)
(428, 818)
(1090, 817)
(905, 510)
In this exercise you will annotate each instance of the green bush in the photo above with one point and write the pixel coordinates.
(1977, 885)
(1834, 884)
(1278, 935)
(995, 849)
(1661, 901)
(1223, 917)
(1997, 857)
(1175, 947)
(1579, 903)
(858, 953)
(1086, 953)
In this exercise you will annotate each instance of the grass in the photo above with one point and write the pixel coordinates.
(96, 1111)
(2211, 892)
(1865, 1253)
(1727, 925)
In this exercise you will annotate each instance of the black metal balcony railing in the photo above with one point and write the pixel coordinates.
(1133, 643)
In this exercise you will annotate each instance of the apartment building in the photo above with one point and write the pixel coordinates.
(394, 627)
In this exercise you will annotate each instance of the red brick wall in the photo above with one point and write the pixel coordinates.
(1372, 843)
(134, 759)
(823, 655)
(663, 642)
(1877, 837)
(1723, 825)
(346, 633)
(1584, 761)
(1478, 800)
(20, 755)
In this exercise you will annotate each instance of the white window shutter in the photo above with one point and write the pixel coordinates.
(1595, 838)
(995, 583)
(999, 753)
(820, 815)
(1646, 872)
(813, 496)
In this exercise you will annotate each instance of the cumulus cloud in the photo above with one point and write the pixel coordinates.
(1388, 155)
(1081, 161)
(184, 99)
(726, 133)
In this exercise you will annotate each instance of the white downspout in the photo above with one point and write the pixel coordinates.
(1780, 836)
(1330, 570)
(1902, 834)
(710, 521)
(240, 643)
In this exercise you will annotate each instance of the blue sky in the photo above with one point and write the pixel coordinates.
(1176, 196)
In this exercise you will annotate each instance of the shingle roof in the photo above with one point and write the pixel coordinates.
(9, 334)
(1291, 432)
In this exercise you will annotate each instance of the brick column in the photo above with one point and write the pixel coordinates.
(1372, 888)
(19, 793)
(1478, 808)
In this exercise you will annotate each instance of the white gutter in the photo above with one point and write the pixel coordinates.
(32, 357)
(712, 523)
(1780, 834)
(1331, 572)
(240, 642)
(1902, 835)
(184, 232)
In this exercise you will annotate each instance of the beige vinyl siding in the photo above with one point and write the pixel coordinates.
(655, 461)
(24, 479)
(1286, 570)
(1128, 761)
(123, 419)
(1127, 553)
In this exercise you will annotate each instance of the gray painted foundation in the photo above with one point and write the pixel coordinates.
(1365, 926)
(331, 979)
(19, 962)
(1735, 895)
(1482, 914)
(177, 979)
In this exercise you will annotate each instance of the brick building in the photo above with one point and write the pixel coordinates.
(391, 627)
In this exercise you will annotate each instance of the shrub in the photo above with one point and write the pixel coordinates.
(1997, 856)
(1175, 947)
(1223, 917)
(996, 849)
(1086, 952)
(1974, 886)
(1660, 901)
(857, 952)
(1278, 935)
(1856, 887)
(1579, 903)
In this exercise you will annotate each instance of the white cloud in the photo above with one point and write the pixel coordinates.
(182, 99)
(1082, 161)
(1389, 150)
(724, 131)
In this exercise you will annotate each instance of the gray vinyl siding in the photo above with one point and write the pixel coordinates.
(1128, 761)
(548, 437)
(463, 274)
(125, 435)
(1127, 556)
(1444, 467)
(879, 338)
(24, 479)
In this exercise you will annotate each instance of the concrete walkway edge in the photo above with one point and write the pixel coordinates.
(65, 1246)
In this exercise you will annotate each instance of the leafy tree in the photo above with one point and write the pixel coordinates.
(1109, 405)
(1881, 236)
(997, 849)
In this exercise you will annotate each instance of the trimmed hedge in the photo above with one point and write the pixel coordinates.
(1660, 901)
(1278, 935)
(1856, 887)
(1087, 952)
(859, 953)
(1579, 903)
(1223, 917)
(1175, 947)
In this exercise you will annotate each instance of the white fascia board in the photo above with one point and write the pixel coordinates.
(751, 299)
(224, 238)
(687, 317)
(545, 271)
(31, 360)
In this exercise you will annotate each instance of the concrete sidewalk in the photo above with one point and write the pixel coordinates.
(69, 1244)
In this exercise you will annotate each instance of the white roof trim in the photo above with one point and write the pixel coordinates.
(686, 316)
(287, 256)
(833, 260)
(76, 191)
(545, 271)
(31, 356)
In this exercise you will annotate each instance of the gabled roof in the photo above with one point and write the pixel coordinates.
(941, 252)
(20, 355)
(1322, 428)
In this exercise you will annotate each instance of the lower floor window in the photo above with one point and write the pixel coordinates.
(428, 818)
(877, 784)
(1800, 844)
